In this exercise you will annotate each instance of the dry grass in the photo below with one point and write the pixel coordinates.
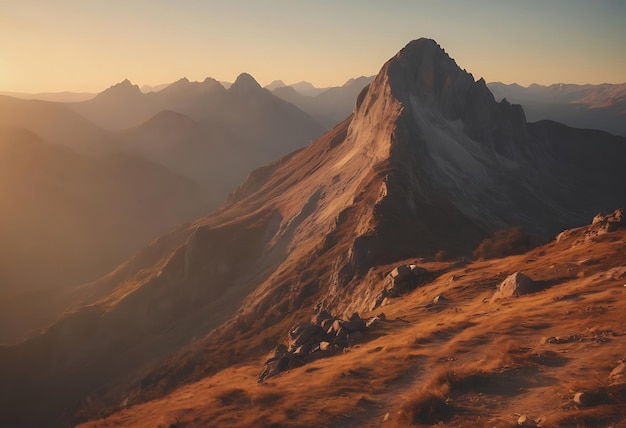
(425, 407)
(470, 363)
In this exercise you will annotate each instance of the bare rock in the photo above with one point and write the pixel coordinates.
(320, 317)
(515, 285)
(590, 399)
(325, 346)
(400, 281)
(304, 334)
(580, 398)
(619, 372)
(355, 323)
(374, 321)
(525, 421)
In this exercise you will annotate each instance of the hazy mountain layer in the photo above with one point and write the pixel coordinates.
(328, 106)
(67, 218)
(582, 106)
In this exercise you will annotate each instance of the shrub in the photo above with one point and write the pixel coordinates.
(442, 256)
(504, 243)
(425, 407)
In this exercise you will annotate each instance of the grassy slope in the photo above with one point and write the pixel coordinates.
(484, 363)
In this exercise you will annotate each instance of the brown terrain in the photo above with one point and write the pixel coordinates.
(464, 360)
(426, 168)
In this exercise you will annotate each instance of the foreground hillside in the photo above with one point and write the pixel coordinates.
(463, 360)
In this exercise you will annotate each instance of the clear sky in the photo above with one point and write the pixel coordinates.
(88, 45)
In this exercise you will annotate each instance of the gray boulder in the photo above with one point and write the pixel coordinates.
(515, 285)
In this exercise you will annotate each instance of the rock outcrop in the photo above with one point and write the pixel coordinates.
(324, 336)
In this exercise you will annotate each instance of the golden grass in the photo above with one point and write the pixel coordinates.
(470, 363)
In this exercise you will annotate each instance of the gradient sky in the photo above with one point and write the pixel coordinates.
(88, 45)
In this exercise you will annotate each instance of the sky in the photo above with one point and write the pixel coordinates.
(88, 45)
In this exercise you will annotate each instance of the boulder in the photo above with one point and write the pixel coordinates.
(355, 323)
(515, 285)
(590, 399)
(400, 281)
(276, 362)
(619, 372)
(325, 346)
(304, 334)
(525, 421)
(320, 317)
(327, 323)
(335, 327)
(374, 321)
(276, 353)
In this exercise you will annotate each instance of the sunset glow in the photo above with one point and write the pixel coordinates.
(87, 46)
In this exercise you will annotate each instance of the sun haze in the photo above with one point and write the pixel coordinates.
(87, 46)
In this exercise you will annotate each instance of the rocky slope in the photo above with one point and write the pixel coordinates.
(429, 161)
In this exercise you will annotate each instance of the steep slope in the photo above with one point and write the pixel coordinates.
(584, 106)
(66, 218)
(428, 161)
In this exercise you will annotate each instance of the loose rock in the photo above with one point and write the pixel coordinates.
(515, 285)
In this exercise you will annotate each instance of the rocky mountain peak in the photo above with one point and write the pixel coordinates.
(245, 83)
(124, 89)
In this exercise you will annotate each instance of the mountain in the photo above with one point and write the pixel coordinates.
(67, 218)
(201, 152)
(307, 89)
(148, 88)
(275, 84)
(216, 136)
(328, 106)
(59, 97)
(428, 162)
(119, 106)
(55, 123)
(584, 106)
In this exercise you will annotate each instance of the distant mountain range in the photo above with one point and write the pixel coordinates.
(582, 106)
(601, 106)
(328, 106)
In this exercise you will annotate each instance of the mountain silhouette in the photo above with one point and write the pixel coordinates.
(328, 106)
(582, 106)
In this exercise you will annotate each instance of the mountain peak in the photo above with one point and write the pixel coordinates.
(245, 83)
(123, 89)
(275, 84)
